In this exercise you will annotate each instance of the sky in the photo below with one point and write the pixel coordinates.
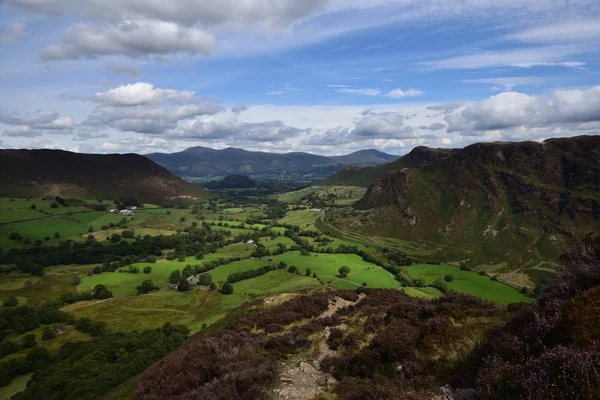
(323, 76)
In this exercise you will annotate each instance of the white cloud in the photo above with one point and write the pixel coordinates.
(399, 93)
(565, 31)
(132, 38)
(523, 58)
(141, 93)
(508, 83)
(275, 93)
(11, 33)
(220, 129)
(383, 125)
(131, 70)
(37, 124)
(360, 92)
(512, 109)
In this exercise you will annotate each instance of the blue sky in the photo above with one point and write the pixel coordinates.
(324, 76)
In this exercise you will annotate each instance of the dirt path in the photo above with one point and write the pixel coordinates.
(301, 378)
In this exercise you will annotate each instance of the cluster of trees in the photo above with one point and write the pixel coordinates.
(113, 359)
(195, 242)
(253, 273)
(146, 287)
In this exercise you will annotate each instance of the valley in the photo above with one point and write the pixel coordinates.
(81, 276)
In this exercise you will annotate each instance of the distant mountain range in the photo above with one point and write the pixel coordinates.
(207, 162)
(496, 206)
(29, 173)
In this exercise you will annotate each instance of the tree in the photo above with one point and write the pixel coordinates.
(115, 238)
(440, 284)
(11, 302)
(212, 286)
(344, 271)
(29, 341)
(183, 285)
(33, 207)
(101, 292)
(54, 205)
(56, 235)
(175, 276)
(448, 278)
(204, 279)
(48, 333)
(146, 287)
(227, 288)
(38, 358)
(14, 236)
(308, 272)
(148, 270)
(97, 270)
(91, 229)
(292, 269)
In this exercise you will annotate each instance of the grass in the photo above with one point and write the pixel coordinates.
(469, 282)
(66, 225)
(345, 194)
(192, 308)
(303, 218)
(274, 282)
(15, 386)
(327, 266)
(125, 284)
(34, 290)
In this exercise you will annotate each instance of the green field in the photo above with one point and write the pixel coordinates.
(193, 308)
(66, 225)
(124, 284)
(326, 266)
(469, 282)
(15, 386)
(303, 218)
(345, 194)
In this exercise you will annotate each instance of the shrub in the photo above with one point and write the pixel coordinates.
(396, 342)
(48, 333)
(227, 288)
(10, 302)
(29, 341)
(448, 278)
(344, 271)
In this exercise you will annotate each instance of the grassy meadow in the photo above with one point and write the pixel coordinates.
(469, 282)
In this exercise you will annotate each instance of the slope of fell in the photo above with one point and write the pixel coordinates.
(492, 203)
(25, 173)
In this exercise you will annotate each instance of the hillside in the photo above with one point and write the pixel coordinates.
(25, 173)
(365, 176)
(382, 344)
(203, 161)
(366, 157)
(496, 206)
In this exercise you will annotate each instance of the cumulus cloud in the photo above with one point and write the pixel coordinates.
(37, 124)
(433, 127)
(240, 108)
(383, 125)
(399, 93)
(513, 109)
(141, 93)
(132, 70)
(221, 129)
(132, 38)
(144, 109)
(11, 33)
